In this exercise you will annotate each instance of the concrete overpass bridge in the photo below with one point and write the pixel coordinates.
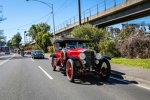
(125, 11)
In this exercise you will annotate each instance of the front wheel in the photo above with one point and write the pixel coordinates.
(104, 70)
(70, 70)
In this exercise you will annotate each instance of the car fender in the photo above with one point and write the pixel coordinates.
(73, 58)
(104, 57)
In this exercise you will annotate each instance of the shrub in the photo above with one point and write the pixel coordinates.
(50, 49)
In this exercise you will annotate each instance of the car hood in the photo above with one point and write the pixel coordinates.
(75, 51)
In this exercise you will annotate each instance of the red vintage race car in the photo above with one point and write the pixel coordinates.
(73, 56)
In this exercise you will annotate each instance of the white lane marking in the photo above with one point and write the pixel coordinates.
(3, 62)
(46, 73)
(138, 85)
(143, 86)
(32, 59)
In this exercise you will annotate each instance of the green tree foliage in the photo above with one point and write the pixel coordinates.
(16, 40)
(45, 41)
(9, 43)
(89, 32)
(108, 47)
(40, 34)
(2, 37)
(126, 32)
(100, 38)
(34, 29)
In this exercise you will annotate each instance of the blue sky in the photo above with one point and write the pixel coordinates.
(21, 14)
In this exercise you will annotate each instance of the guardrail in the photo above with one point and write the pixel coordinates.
(103, 5)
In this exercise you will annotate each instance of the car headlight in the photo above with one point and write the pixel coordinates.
(98, 56)
(82, 56)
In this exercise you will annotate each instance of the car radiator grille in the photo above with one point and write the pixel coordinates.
(90, 58)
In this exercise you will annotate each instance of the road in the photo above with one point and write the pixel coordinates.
(22, 78)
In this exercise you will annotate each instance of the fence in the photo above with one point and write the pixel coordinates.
(103, 5)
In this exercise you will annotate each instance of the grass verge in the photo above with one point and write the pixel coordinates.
(143, 63)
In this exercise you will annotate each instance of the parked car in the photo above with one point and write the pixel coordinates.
(37, 54)
(73, 56)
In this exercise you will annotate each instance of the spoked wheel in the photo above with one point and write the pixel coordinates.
(54, 67)
(63, 57)
(70, 70)
(105, 70)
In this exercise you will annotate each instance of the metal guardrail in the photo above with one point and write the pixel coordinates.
(103, 5)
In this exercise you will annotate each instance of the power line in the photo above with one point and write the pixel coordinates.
(36, 20)
(29, 23)
(65, 5)
(61, 5)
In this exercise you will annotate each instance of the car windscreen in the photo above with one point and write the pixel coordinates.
(71, 44)
(38, 52)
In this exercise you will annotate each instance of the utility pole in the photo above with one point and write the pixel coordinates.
(79, 12)
(24, 37)
(53, 21)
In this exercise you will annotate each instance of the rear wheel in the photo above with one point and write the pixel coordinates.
(52, 63)
(62, 59)
(70, 70)
(104, 70)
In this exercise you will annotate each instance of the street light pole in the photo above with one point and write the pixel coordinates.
(24, 38)
(50, 6)
(24, 35)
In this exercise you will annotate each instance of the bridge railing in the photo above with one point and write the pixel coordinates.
(103, 5)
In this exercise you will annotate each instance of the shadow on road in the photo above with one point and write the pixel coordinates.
(117, 74)
(94, 79)
(41, 59)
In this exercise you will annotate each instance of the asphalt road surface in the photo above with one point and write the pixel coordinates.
(22, 78)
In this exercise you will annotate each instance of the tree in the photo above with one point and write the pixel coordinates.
(108, 47)
(128, 29)
(40, 34)
(1, 17)
(9, 43)
(100, 38)
(16, 40)
(2, 37)
(91, 33)
(45, 41)
(34, 29)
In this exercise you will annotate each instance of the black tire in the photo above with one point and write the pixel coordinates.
(52, 64)
(104, 70)
(70, 70)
